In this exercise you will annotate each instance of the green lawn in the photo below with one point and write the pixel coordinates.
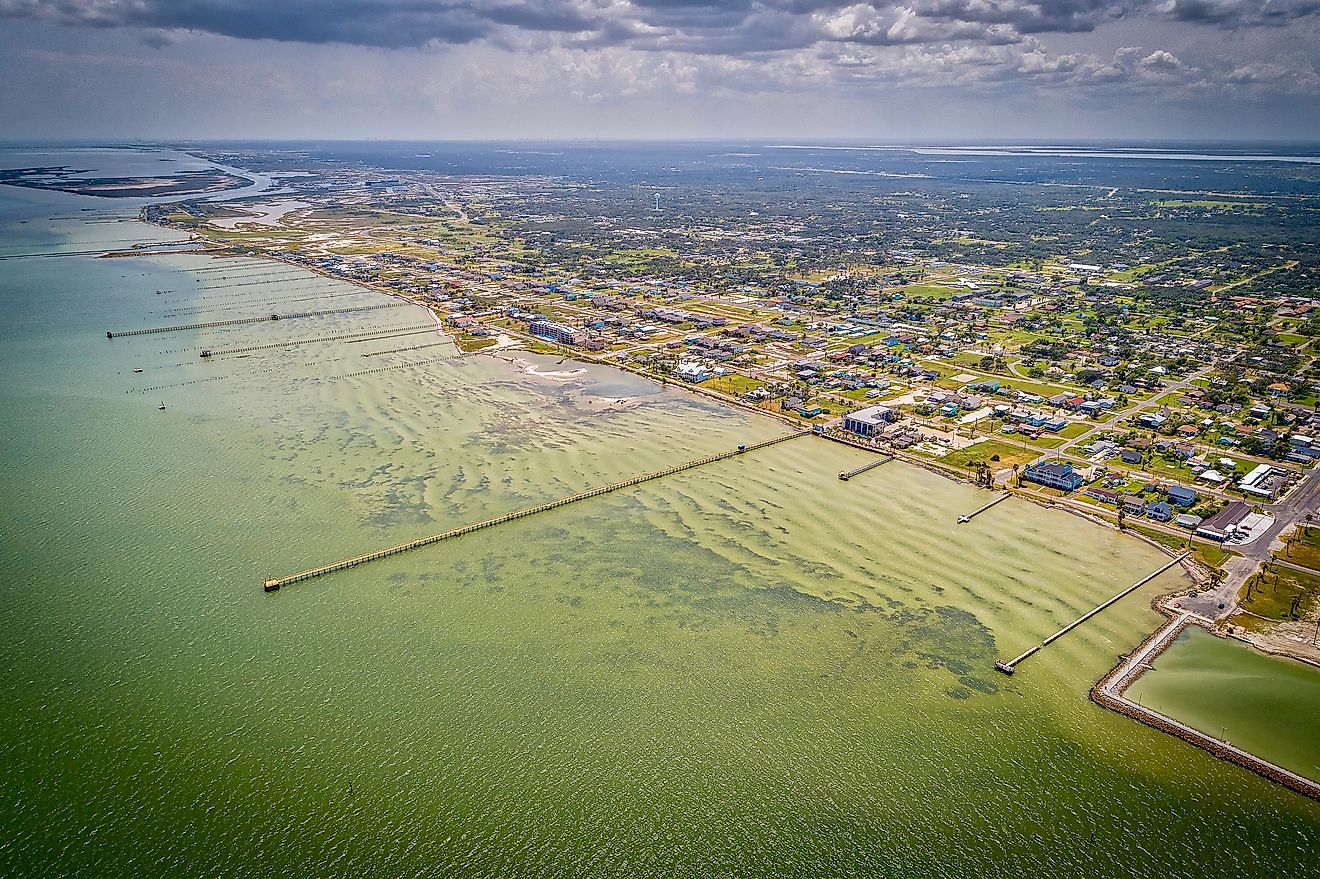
(1305, 550)
(1211, 555)
(1273, 592)
(931, 291)
(467, 342)
(733, 384)
(1013, 381)
(986, 450)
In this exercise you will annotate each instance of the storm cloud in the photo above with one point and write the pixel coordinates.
(704, 26)
(826, 55)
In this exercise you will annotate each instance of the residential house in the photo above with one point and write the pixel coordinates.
(1104, 495)
(1160, 511)
(1182, 496)
(1055, 474)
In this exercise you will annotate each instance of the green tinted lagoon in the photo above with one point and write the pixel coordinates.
(1268, 706)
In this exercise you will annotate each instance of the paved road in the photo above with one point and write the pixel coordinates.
(1293, 509)
(1295, 506)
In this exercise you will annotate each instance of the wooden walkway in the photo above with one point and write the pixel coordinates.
(364, 336)
(274, 583)
(1009, 667)
(963, 520)
(111, 334)
(870, 465)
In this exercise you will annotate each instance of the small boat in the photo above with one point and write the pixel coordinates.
(161, 407)
(137, 370)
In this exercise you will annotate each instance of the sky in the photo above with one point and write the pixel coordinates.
(653, 69)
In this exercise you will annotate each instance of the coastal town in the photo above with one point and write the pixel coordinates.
(583, 439)
(1157, 387)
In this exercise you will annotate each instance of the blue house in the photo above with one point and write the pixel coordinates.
(1160, 511)
(1182, 495)
(1055, 474)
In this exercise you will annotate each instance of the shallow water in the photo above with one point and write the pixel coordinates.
(751, 668)
(1266, 705)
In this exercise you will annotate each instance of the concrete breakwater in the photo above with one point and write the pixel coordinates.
(1108, 692)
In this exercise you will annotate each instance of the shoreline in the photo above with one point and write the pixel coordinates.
(1101, 693)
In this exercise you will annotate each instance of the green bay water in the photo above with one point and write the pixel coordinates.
(751, 668)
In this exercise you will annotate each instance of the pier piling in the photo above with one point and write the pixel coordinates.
(273, 584)
(962, 520)
(1009, 667)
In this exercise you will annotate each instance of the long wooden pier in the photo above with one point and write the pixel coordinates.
(233, 322)
(365, 336)
(274, 583)
(260, 280)
(1009, 667)
(870, 465)
(962, 520)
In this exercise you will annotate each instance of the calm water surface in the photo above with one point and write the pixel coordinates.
(748, 669)
(1268, 706)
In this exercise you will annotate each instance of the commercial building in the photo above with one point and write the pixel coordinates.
(549, 329)
(869, 421)
(1223, 524)
(1264, 481)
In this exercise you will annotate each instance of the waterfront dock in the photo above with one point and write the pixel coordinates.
(962, 520)
(1009, 667)
(233, 322)
(367, 336)
(871, 465)
(274, 583)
